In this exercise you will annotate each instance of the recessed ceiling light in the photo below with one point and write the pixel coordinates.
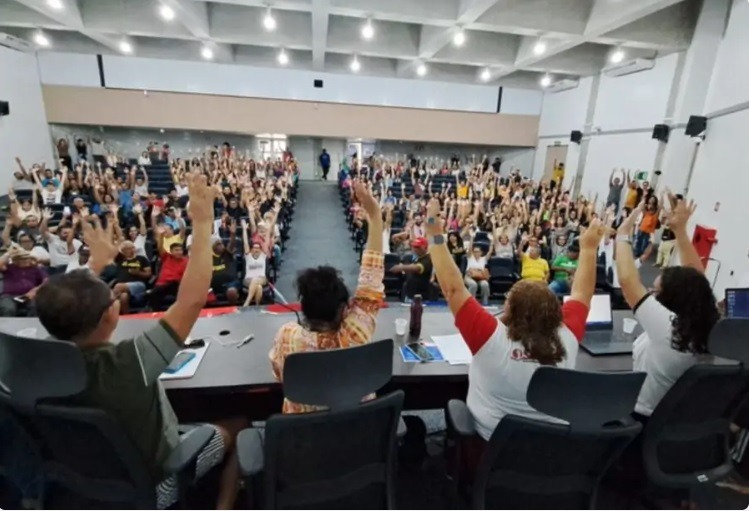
(56, 4)
(269, 22)
(283, 57)
(545, 81)
(539, 48)
(486, 75)
(459, 38)
(367, 30)
(126, 47)
(41, 40)
(207, 53)
(166, 12)
(421, 70)
(617, 56)
(355, 65)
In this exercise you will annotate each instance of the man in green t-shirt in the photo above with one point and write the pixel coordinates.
(564, 267)
(123, 377)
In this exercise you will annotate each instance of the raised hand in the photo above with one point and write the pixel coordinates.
(680, 214)
(47, 214)
(591, 237)
(103, 251)
(155, 211)
(434, 224)
(137, 209)
(364, 195)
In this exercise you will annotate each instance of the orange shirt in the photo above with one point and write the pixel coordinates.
(649, 222)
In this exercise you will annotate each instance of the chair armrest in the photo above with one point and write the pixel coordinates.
(250, 452)
(186, 453)
(459, 418)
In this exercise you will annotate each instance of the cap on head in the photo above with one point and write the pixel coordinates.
(420, 243)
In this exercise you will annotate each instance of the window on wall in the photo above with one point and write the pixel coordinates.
(271, 146)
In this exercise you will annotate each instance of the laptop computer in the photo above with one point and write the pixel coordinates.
(737, 303)
(600, 338)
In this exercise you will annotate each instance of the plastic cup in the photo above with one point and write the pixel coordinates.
(400, 326)
(628, 325)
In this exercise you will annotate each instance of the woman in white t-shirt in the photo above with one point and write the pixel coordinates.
(477, 275)
(677, 316)
(254, 268)
(533, 331)
(26, 208)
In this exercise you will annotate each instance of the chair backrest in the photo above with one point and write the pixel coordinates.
(391, 260)
(333, 459)
(83, 449)
(729, 339)
(686, 439)
(35, 369)
(338, 378)
(537, 464)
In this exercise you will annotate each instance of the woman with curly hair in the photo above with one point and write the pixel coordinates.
(534, 330)
(677, 315)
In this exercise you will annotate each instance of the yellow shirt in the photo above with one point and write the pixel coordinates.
(558, 174)
(463, 191)
(534, 269)
(171, 240)
(631, 200)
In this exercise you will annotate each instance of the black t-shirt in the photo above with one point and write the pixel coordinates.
(667, 234)
(237, 212)
(224, 270)
(419, 283)
(125, 265)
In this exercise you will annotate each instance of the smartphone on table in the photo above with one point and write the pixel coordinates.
(421, 352)
(182, 358)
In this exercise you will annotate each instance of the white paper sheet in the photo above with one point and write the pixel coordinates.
(189, 369)
(453, 348)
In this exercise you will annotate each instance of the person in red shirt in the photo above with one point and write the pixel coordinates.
(173, 266)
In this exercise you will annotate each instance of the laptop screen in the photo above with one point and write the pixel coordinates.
(737, 303)
(600, 311)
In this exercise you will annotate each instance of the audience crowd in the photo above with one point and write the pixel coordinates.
(142, 207)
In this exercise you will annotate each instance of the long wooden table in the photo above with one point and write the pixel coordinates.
(232, 380)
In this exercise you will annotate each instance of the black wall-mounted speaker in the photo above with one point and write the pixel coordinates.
(4, 108)
(576, 136)
(660, 132)
(317, 84)
(696, 125)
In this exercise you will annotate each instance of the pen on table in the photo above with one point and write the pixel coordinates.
(246, 340)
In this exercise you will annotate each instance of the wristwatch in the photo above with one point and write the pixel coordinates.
(624, 238)
(439, 239)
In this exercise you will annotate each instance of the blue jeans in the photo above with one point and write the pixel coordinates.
(560, 287)
(642, 240)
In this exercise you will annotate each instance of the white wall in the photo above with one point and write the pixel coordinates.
(235, 80)
(635, 101)
(565, 111)
(521, 101)
(304, 153)
(57, 68)
(24, 132)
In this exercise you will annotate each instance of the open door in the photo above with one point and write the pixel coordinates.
(556, 156)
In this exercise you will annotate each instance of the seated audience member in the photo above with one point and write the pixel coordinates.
(63, 246)
(133, 273)
(666, 248)
(255, 261)
(477, 275)
(564, 267)
(647, 227)
(166, 232)
(173, 267)
(225, 278)
(84, 253)
(124, 377)
(677, 316)
(25, 208)
(533, 266)
(503, 247)
(456, 248)
(559, 245)
(22, 276)
(534, 330)
(419, 273)
(331, 321)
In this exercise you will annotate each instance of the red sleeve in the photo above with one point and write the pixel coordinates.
(575, 316)
(475, 324)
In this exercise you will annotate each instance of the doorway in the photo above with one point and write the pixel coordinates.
(556, 157)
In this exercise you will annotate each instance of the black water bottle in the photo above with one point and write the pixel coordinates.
(417, 307)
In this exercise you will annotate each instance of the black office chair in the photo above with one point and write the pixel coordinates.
(87, 460)
(502, 275)
(533, 464)
(393, 282)
(340, 458)
(685, 443)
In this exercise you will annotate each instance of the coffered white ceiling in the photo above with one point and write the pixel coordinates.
(500, 35)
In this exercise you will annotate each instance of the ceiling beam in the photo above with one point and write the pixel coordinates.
(320, 20)
(193, 15)
(604, 17)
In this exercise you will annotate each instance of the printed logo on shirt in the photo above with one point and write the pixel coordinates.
(520, 355)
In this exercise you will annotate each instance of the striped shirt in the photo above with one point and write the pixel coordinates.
(357, 327)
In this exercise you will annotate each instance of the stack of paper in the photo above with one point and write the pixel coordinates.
(453, 348)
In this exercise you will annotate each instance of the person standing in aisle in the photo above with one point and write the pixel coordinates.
(325, 163)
